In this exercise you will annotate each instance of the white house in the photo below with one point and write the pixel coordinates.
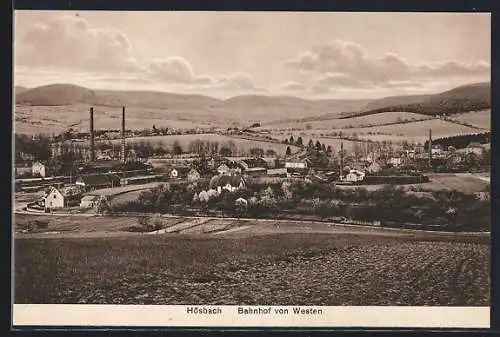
(296, 165)
(436, 151)
(396, 161)
(89, 201)
(193, 175)
(355, 176)
(410, 154)
(226, 182)
(53, 199)
(223, 169)
(475, 148)
(38, 169)
(179, 172)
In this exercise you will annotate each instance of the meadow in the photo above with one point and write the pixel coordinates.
(55, 119)
(281, 269)
(335, 123)
(242, 145)
(417, 131)
(481, 119)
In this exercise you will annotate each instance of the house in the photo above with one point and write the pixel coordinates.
(98, 181)
(475, 148)
(256, 172)
(193, 175)
(229, 168)
(104, 157)
(255, 162)
(395, 161)
(296, 165)
(179, 172)
(355, 176)
(229, 183)
(38, 169)
(410, 154)
(223, 169)
(277, 172)
(89, 201)
(20, 171)
(53, 199)
(241, 202)
(436, 151)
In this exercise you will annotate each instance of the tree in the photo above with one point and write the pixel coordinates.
(292, 140)
(299, 142)
(225, 151)
(257, 152)
(288, 151)
(270, 153)
(318, 145)
(310, 145)
(176, 148)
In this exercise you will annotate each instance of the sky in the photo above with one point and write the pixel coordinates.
(223, 54)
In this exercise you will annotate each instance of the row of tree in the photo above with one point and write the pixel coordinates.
(447, 209)
(461, 141)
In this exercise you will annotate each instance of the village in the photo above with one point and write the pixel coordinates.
(106, 173)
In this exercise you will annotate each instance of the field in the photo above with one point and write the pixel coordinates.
(29, 119)
(273, 269)
(243, 145)
(362, 121)
(441, 182)
(481, 119)
(413, 132)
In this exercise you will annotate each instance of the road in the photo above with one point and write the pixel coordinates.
(477, 176)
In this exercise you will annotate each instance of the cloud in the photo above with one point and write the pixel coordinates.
(172, 69)
(293, 86)
(68, 42)
(349, 64)
(237, 81)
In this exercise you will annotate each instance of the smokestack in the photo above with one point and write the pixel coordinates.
(430, 149)
(123, 135)
(341, 157)
(92, 151)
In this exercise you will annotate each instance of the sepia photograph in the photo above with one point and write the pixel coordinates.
(303, 160)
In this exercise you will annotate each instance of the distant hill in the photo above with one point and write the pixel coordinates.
(153, 99)
(55, 94)
(470, 97)
(394, 100)
(254, 108)
(19, 89)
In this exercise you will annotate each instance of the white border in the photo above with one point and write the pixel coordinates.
(177, 316)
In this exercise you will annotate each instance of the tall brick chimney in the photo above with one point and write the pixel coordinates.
(430, 149)
(122, 153)
(92, 150)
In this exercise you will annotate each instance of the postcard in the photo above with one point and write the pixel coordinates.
(251, 169)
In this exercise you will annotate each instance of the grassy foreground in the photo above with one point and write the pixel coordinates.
(285, 269)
